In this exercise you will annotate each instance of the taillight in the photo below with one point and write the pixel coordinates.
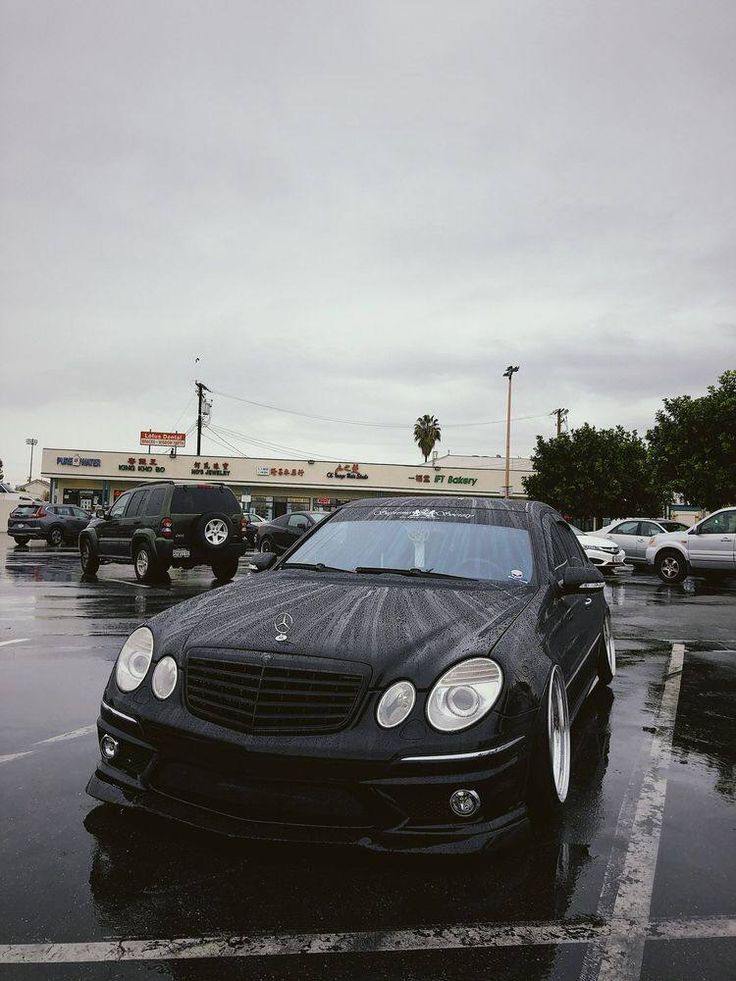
(41, 513)
(167, 528)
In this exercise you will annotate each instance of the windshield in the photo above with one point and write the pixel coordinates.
(467, 544)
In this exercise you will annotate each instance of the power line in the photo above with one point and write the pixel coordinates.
(266, 444)
(368, 425)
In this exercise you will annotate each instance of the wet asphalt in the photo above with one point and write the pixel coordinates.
(558, 903)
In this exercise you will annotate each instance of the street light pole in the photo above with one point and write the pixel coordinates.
(509, 373)
(31, 442)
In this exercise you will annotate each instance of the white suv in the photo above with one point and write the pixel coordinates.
(709, 546)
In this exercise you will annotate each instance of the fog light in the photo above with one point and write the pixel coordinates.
(464, 803)
(109, 747)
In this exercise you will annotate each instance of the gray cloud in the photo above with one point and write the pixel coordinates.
(366, 210)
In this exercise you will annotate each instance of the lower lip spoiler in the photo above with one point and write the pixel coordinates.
(120, 715)
(461, 756)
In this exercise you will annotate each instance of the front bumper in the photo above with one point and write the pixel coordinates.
(610, 561)
(378, 804)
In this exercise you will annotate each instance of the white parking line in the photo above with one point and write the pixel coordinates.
(125, 582)
(63, 737)
(18, 640)
(390, 941)
(631, 881)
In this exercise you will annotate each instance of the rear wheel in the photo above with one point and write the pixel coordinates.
(671, 567)
(266, 545)
(606, 654)
(88, 558)
(549, 779)
(146, 565)
(225, 569)
(56, 537)
(22, 540)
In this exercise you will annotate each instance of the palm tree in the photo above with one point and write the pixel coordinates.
(426, 433)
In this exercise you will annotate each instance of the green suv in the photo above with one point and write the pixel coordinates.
(166, 524)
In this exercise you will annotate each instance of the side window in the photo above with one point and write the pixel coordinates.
(118, 508)
(81, 513)
(52, 510)
(627, 528)
(719, 524)
(155, 501)
(648, 528)
(135, 504)
(65, 511)
(559, 554)
(575, 553)
(298, 521)
(280, 521)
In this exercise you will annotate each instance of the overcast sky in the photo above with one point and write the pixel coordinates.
(361, 210)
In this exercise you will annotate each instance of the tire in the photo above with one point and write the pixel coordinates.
(89, 559)
(549, 776)
(214, 530)
(606, 654)
(671, 566)
(225, 569)
(146, 565)
(55, 537)
(22, 540)
(266, 545)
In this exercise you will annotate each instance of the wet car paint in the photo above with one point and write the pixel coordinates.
(74, 872)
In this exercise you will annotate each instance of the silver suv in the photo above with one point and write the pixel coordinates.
(708, 547)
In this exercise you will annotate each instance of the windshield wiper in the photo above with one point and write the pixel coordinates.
(417, 573)
(315, 566)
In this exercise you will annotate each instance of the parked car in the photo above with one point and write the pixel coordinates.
(708, 547)
(406, 677)
(252, 521)
(9, 501)
(633, 535)
(167, 524)
(55, 523)
(603, 552)
(282, 532)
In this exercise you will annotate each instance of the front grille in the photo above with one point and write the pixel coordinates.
(253, 697)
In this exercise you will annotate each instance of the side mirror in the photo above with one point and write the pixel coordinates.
(695, 530)
(102, 513)
(580, 579)
(262, 561)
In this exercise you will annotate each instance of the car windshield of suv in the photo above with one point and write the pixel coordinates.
(463, 543)
(199, 499)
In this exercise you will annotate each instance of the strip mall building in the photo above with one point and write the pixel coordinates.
(91, 478)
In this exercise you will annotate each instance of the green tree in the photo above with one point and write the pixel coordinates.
(693, 445)
(597, 473)
(426, 433)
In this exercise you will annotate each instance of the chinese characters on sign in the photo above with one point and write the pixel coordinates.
(440, 478)
(279, 472)
(142, 464)
(207, 469)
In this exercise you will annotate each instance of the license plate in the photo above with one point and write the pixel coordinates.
(181, 553)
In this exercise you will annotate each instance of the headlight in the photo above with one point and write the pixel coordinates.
(464, 694)
(594, 547)
(396, 703)
(134, 659)
(163, 679)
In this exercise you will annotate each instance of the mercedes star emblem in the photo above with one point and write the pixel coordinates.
(283, 625)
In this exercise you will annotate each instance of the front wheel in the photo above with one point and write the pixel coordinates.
(89, 559)
(606, 654)
(549, 779)
(266, 545)
(671, 567)
(225, 569)
(56, 537)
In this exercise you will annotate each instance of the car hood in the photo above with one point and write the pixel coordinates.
(397, 626)
(596, 541)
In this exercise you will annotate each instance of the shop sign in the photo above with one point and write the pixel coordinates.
(349, 471)
(440, 478)
(203, 468)
(142, 464)
(279, 472)
(324, 500)
(78, 461)
(151, 438)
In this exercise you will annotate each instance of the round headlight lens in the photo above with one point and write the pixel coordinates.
(163, 679)
(134, 659)
(396, 704)
(464, 694)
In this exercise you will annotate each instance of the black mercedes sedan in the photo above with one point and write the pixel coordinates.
(404, 677)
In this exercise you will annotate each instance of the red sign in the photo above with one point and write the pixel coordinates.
(150, 438)
(323, 500)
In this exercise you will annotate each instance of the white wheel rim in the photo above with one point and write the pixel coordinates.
(141, 562)
(215, 531)
(670, 568)
(610, 646)
(558, 731)
(56, 537)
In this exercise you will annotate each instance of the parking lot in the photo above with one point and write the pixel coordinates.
(637, 880)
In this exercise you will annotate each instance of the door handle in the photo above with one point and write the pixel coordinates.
(726, 538)
(588, 601)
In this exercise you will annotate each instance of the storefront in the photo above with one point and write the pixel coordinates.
(91, 478)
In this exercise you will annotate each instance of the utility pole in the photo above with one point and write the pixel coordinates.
(31, 442)
(561, 415)
(509, 373)
(201, 389)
